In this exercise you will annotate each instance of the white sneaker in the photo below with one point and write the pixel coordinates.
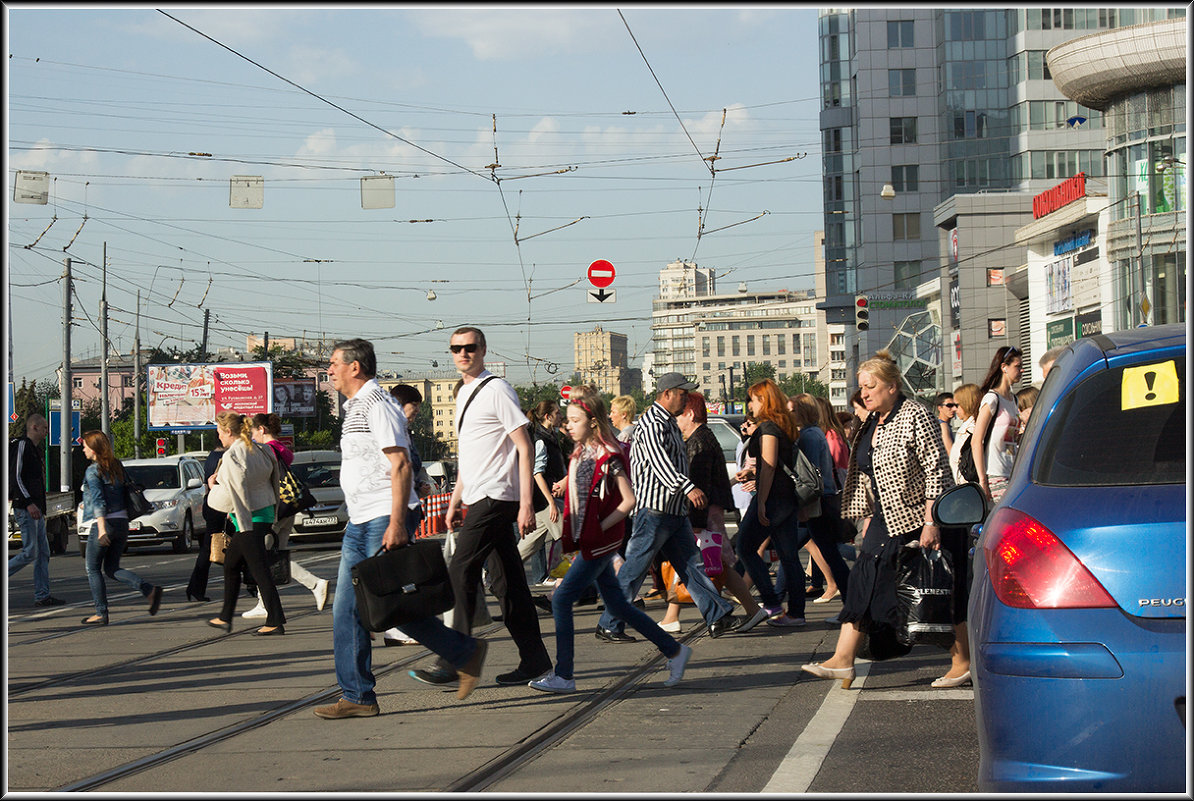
(256, 611)
(551, 683)
(670, 628)
(676, 666)
(321, 594)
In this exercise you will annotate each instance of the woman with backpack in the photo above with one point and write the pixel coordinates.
(997, 423)
(597, 499)
(104, 505)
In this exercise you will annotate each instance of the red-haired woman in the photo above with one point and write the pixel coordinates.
(103, 505)
(773, 511)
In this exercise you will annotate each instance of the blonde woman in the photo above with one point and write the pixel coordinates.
(967, 397)
(622, 410)
(245, 486)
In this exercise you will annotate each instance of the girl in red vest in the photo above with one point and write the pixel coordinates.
(597, 499)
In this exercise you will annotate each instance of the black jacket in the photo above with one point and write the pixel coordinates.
(556, 468)
(26, 474)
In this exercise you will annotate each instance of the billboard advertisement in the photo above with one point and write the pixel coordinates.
(294, 397)
(191, 395)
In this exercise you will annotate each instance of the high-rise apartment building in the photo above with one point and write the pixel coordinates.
(922, 106)
(601, 360)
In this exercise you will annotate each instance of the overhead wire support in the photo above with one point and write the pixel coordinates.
(661, 89)
(33, 244)
(322, 99)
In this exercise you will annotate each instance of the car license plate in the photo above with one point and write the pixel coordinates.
(321, 521)
(134, 525)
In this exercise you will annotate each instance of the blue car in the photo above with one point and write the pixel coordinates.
(1078, 608)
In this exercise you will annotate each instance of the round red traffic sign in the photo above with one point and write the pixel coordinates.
(565, 391)
(601, 273)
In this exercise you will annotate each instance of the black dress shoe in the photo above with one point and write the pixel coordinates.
(519, 676)
(727, 622)
(49, 600)
(103, 621)
(434, 676)
(608, 635)
(543, 602)
(155, 600)
(271, 632)
(202, 598)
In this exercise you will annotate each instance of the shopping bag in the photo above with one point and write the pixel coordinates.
(710, 544)
(402, 584)
(924, 597)
(278, 561)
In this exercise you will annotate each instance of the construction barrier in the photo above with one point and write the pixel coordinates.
(434, 508)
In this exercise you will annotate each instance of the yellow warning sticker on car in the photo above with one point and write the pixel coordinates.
(1150, 385)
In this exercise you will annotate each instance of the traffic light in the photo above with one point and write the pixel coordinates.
(161, 446)
(862, 314)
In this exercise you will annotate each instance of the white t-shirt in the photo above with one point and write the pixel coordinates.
(1001, 449)
(961, 440)
(373, 420)
(488, 460)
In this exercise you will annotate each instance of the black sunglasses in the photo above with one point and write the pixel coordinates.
(471, 347)
(950, 405)
(1011, 353)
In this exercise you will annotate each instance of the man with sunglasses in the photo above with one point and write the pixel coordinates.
(495, 457)
(946, 412)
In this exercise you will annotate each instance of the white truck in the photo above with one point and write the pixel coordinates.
(60, 521)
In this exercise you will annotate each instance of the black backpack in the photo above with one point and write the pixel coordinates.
(556, 468)
(966, 468)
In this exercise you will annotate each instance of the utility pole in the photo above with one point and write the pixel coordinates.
(203, 344)
(64, 419)
(105, 410)
(265, 346)
(1143, 320)
(137, 383)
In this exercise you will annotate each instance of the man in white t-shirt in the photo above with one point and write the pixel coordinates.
(375, 475)
(494, 462)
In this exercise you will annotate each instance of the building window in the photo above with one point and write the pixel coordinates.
(899, 34)
(721, 346)
(766, 344)
(783, 363)
(907, 274)
(734, 347)
(810, 349)
(77, 383)
(903, 130)
(750, 346)
(901, 83)
(795, 344)
(779, 344)
(833, 140)
(905, 226)
(705, 348)
(705, 367)
(126, 381)
(905, 177)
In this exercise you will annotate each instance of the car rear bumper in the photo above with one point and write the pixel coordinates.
(1095, 704)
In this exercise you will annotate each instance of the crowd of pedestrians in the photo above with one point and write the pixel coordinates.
(620, 492)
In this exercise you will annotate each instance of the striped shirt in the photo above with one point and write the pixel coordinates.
(659, 463)
(372, 421)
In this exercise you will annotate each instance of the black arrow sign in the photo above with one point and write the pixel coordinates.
(602, 295)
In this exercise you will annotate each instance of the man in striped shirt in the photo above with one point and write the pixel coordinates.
(659, 473)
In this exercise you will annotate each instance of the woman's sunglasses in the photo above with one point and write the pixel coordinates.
(471, 347)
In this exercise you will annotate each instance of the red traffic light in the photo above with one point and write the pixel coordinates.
(161, 446)
(860, 303)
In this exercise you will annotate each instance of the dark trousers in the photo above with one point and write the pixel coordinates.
(248, 549)
(197, 586)
(826, 534)
(489, 529)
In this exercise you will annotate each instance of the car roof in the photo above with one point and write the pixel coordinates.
(303, 457)
(172, 460)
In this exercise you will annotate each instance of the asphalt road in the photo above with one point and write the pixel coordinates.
(166, 704)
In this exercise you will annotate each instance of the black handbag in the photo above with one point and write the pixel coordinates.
(278, 561)
(402, 584)
(135, 502)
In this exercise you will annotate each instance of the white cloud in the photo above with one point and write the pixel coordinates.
(500, 34)
(235, 27)
(309, 65)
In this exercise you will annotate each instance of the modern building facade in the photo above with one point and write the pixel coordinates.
(922, 106)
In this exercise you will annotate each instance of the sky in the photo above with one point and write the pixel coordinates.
(606, 123)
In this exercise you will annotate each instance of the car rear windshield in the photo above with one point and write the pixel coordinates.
(727, 438)
(154, 476)
(317, 474)
(1125, 426)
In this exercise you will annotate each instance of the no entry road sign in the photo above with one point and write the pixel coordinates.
(601, 273)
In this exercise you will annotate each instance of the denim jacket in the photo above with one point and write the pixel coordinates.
(101, 496)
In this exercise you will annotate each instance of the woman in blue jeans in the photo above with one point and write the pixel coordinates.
(773, 510)
(103, 502)
(597, 500)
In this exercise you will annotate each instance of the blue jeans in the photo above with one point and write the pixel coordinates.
(787, 537)
(104, 560)
(654, 532)
(350, 640)
(579, 576)
(35, 548)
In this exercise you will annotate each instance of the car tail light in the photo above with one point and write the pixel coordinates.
(1031, 568)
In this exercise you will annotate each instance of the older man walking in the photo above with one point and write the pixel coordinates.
(375, 475)
(494, 482)
(27, 491)
(659, 473)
